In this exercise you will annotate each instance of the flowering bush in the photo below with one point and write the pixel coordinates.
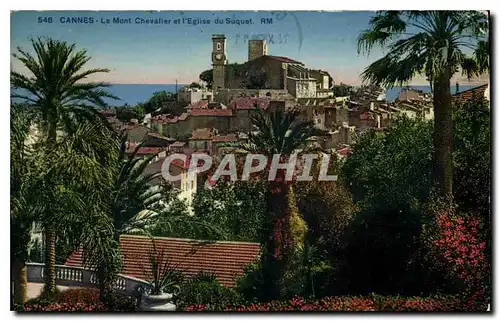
(63, 307)
(458, 244)
(79, 300)
(354, 304)
(84, 295)
(461, 247)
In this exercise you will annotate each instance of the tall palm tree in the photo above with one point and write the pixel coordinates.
(281, 133)
(22, 195)
(134, 197)
(60, 99)
(433, 44)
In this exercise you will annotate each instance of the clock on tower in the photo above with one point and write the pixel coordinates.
(219, 60)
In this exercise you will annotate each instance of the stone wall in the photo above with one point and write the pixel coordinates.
(301, 88)
(184, 128)
(225, 96)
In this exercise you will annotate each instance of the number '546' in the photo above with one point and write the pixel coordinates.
(44, 19)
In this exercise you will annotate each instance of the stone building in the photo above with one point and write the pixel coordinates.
(267, 72)
(193, 95)
(256, 49)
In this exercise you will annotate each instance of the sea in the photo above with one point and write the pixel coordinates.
(132, 94)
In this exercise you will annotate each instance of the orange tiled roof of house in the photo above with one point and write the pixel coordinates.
(198, 105)
(225, 259)
(211, 112)
(144, 150)
(280, 59)
(249, 103)
(466, 95)
(178, 144)
(159, 136)
(225, 138)
(202, 133)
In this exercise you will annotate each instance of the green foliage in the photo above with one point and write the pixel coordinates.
(127, 113)
(162, 274)
(237, 209)
(435, 46)
(257, 79)
(390, 177)
(208, 77)
(194, 85)
(297, 224)
(342, 90)
(392, 169)
(204, 288)
(161, 100)
(472, 156)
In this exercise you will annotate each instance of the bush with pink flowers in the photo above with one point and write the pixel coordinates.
(353, 304)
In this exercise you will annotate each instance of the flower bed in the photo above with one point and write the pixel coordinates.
(62, 307)
(354, 304)
(79, 300)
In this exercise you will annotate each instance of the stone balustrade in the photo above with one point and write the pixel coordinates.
(78, 276)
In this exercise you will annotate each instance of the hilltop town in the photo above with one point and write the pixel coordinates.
(219, 111)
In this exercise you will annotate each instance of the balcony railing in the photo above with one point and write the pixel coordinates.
(78, 276)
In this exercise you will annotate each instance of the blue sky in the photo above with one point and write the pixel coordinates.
(155, 54)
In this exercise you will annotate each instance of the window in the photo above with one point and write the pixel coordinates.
(192, 185)
(219, 46)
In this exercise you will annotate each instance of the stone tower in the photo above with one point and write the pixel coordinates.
(256, 49)
(219, 60)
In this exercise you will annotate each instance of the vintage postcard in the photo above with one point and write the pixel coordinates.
(250, 161)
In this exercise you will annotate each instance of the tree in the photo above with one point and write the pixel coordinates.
(60, 101)
(208, 77)
(257, 79)
(22, 195)
(430, 43)
(390, 176)
(125, 114)
(236, 208)
(342, 90)
(282, 133)
(163, 102)
(194, 85)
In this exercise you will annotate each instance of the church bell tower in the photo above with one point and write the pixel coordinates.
(219, 61)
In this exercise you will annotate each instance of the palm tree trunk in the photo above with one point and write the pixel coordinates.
(278, 240)
(50, 261)
(20, 276)
(443, 159)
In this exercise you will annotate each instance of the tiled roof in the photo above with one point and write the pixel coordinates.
(156, 135)
(226, 138)
(178, 144)
(466, 95)
(282, 59)
(210, 112)
(202, 133)
(249, 103)
(183, 116)
(144, 150)
(225, 259)
(199, 104)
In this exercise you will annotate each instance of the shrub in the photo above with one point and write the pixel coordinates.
(84, 295)
(83, 299)
(352, 304)
(204, 289)
(62, 307)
